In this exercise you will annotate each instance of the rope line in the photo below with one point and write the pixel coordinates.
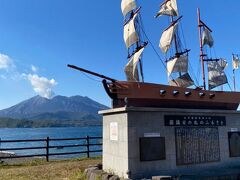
(154, 49)
(91, 78)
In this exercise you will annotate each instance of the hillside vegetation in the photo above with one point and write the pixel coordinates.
(60, 111)
(15, 123)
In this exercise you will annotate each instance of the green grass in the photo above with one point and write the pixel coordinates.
(40, 169)
(78, 176)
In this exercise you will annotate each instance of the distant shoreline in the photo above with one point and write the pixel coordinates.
(49, 127)
(16, 123)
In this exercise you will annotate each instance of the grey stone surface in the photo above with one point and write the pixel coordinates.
(106, 176)
(7, 154)
(95, 175)
(161, 178)
(114, 178)
(89, 171)
(122, 157)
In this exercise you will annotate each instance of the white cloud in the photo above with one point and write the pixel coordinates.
(34, 68)
(41, 85)
(5, 62)
(8, 69)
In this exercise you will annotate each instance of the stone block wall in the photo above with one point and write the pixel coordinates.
(121, 148)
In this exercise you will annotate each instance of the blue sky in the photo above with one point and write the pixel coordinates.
(41, 37)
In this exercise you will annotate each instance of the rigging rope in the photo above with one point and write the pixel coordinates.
(157, 54)
(214, 51)
(154, 49)
(229, 87)
(194, 75)
(228, 75)
(91, 78)
(190, 64)
(184, 40)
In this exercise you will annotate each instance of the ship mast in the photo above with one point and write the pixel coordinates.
(201, 49)
(175, 38)
(235, 63)
(234, 80)
(135, 45)
(215, 67)
(140, 60)
(177, 63)
(175, 43)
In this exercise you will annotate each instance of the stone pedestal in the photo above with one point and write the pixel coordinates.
(145, 142)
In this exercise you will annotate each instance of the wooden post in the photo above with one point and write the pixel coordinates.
(88, 148)
(47, 149)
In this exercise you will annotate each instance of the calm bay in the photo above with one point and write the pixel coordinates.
(42, 133)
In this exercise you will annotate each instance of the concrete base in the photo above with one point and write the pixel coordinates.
(123, 127)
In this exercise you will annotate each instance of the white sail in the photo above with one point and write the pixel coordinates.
(167, 37)
(178, 64)
(236, 62)
(127, 6)
(130, 34)
(216, 75)
(207, 38)
(182, 81)
(131, 69)
(223, 63)
(169, 8)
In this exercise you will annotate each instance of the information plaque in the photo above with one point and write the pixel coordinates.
(152, 148)
(197, 121)
(195, 145)
(234, 144)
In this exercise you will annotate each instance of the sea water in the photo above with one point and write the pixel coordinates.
(43, 133)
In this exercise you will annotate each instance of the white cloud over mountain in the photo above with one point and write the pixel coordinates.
(41, 85)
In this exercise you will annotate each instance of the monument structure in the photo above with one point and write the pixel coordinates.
(156, 129)
(145, 142)
(176, 129)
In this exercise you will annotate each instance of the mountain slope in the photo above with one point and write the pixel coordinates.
(57, 108)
